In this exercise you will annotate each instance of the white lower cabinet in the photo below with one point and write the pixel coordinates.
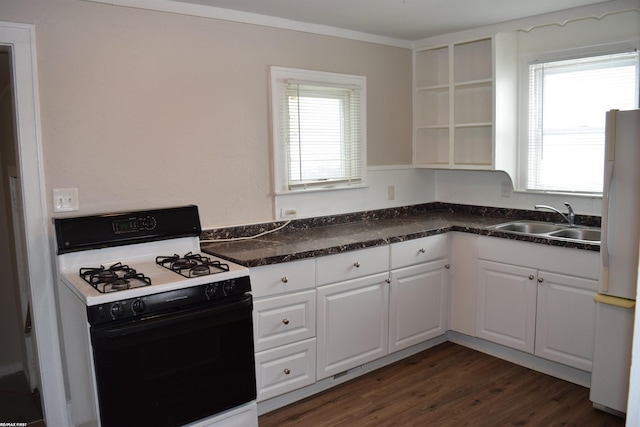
(353, 319)
(286, 368)
(566, 319)
(417, 304)
(284, 325)
(548, 311)
(506, 307)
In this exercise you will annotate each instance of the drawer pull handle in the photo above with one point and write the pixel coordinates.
(285, 321)
(285, 279)
(531, 277)
(421, 250)
(447, 266)
(356, 264)
(287, 371)
(540, 280)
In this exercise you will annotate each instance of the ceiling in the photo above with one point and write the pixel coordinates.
(399, 19)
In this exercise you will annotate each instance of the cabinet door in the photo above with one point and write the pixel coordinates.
(565, 322)
(417, 304)
(506, 309)
(353, 322)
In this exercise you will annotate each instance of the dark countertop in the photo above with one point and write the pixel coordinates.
(288, 245)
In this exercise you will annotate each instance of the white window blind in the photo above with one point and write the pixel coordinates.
(568, 100)
(319, 135)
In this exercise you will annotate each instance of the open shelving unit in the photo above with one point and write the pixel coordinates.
(454, 112)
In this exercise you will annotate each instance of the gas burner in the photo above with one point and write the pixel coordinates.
(118, 277)
(192, 265)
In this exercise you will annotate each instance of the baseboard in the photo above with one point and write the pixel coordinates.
(527, 360)
(327, 383)
(12, 368)
(558, 370)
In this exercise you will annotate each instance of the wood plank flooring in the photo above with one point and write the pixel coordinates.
(448, 385)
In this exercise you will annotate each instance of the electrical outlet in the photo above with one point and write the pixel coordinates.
(65, 200)
(391, 192)
(506, 189)
(287, 212)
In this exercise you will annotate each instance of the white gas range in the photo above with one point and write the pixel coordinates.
(117, 263)
(139, 300)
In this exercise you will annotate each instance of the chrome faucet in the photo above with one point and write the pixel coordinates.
(570, 217)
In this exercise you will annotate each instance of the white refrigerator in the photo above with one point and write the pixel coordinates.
(619, 252)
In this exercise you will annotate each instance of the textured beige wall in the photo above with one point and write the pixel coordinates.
(145, 109)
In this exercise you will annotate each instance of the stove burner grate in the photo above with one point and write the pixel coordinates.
(118, 277)
(192, 265)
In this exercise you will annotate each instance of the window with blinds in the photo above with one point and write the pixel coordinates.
(568, 100)
(319, 123)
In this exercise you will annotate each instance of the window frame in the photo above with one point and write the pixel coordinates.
(279, 76)
(529, 58)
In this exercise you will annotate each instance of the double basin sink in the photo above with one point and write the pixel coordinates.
(549, 230)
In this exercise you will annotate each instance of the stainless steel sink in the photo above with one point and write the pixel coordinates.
(588, 234)
(528, 227)
(549, 230)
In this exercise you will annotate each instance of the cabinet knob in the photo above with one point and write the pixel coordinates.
(387, 280)
(540, 280)
(285, 279)
(531, 277)
(285, 321)
(287, 371)
(447, 266)
(421, 250)
(356, 264)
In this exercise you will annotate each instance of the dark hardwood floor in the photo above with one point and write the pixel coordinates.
(448, 385)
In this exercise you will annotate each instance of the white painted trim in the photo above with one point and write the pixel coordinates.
(190, 9)
(560, 18)
(527, 360)
(553, 369)
(389, 167)
(21, 39)
(327, 383)
(12, 368)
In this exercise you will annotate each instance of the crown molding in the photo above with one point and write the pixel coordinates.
(190, 9)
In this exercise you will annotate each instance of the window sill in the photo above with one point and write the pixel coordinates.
(560, 193)
(321, 189)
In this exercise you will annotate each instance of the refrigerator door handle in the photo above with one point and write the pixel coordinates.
(608, 175)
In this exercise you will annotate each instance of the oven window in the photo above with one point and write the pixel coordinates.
(175, 369)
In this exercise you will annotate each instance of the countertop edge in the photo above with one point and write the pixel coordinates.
(288, 251)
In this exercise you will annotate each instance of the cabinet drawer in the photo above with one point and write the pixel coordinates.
(351, 265)
(282, 278)
(284, 319)
(418, 251)
(284, 369)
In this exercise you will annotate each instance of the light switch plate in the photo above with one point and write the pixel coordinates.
(65, 200)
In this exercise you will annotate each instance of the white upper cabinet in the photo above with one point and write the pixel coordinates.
(464, 111)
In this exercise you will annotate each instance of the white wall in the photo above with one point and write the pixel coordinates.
(410, 187)
(485, 188)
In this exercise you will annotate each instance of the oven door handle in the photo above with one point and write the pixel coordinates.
(172, 318)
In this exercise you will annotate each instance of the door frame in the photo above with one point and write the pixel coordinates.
(20, 38)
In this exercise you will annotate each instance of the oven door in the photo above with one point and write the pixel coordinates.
(176, 368)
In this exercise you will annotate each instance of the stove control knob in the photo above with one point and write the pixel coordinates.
(138, 306)
(211, 291)
(148, 223)
(229, 287)
(117, 310)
